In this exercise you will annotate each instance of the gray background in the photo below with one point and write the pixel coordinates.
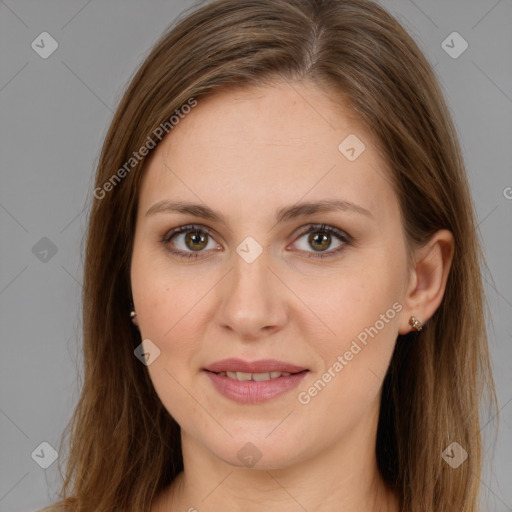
(54, 115)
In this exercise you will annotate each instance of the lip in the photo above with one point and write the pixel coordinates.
(253, 392)
(260, 366)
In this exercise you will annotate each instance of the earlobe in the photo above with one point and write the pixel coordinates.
(133, 316)
(429, 278)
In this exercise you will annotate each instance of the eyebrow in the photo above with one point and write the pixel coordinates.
(282, 215)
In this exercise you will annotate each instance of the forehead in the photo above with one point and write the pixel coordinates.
(270, 146)
(269, 120)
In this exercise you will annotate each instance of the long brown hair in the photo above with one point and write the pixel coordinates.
(124, 445)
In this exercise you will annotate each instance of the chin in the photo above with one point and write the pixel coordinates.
(258, 452)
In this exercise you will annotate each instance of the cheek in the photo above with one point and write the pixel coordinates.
(166, 295)
(363, 312)
(169, 309)
(354, 297)
(168, 305)
(359, 309)
(170, 315)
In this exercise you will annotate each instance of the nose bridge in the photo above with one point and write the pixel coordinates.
(251, 276)
(251, 301)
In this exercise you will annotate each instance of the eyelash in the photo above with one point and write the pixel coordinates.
(312, 228)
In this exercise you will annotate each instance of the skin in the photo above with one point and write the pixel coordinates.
(246, 152)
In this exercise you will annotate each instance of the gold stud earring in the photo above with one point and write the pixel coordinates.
(415, 323)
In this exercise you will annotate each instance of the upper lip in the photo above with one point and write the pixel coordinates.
(260, 366)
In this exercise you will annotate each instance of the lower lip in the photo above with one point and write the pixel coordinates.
(253, 392)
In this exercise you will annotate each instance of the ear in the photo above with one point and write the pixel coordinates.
(427, 281)
(134, 319)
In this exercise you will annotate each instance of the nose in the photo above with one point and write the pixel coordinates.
(252, 301)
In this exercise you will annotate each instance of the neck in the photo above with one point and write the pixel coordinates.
(344, 478)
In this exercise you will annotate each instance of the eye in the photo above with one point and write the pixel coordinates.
(190, 241)
(320, 238)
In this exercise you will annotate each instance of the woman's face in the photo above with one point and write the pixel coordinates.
(252, 275)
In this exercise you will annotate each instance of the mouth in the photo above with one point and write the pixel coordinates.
(258, 377)
(260, 367)
(254, 382)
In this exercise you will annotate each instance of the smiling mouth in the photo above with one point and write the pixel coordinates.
(254, 387)
(244, 376)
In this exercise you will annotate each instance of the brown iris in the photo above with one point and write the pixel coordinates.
(198, 239)
(319, 237)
